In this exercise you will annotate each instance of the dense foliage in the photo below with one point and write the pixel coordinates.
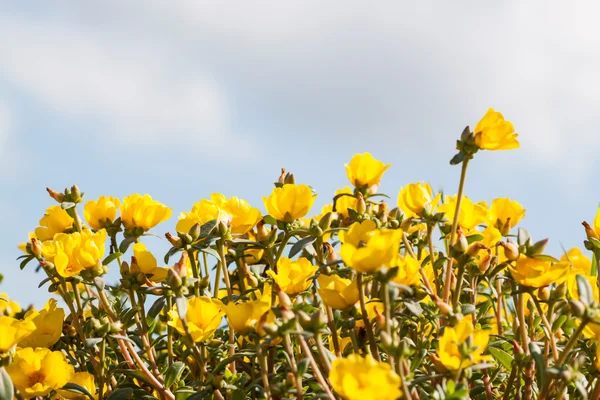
(438, 297)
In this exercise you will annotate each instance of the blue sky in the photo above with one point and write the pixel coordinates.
(181, 99)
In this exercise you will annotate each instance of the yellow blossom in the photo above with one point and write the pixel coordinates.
(366, 248)
(293, 276)
(36, 372)
(56, 220)
(365, 171)
(12, 331)
(538, 273)
(23, 245)
(453, 337)
(337, 292)
(580, 264)
(505, 214)
(202, 212)
(358, 378)
(493, 132)
(203, 316)
(343, 341)
(139, 211)
(415, 198)
(289, 202)
(471, 214)
(148, 264)
(243, 217)
(85, 380)
(252, 254)
(99, 213)
(73, 252)
(408, 271)
(48, 326)
(243, 316)
(8, 307)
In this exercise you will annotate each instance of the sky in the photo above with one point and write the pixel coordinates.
(182, 99)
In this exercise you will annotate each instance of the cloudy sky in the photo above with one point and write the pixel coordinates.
(181, 99)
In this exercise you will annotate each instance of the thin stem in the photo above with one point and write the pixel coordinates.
(223, 263)
(411, 252)
(388, 317)
(313, 364)
(548, 329)
(293, 366)
(322, 354)
(195, 272)
(522, 326)
(206, 271)
(284, 242)
(367, 321)
(101, 372)
(334, 336)
(459, 283)
(432, 257)
(461, 186)
(571, 343)
(262, 359)
(169, 331)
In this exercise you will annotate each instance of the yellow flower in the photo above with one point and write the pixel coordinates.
(454, 337)
(12, 331)
(243, 217)
(293, 277)
(23, 245)
(597, 223)
(343, 341)
(253, 255)
(139, 211)
(83, 379)
(358, 378)
(73, 252)
(538, 273)
(48, 326)
(343, 203)
(36, 372)
(99, 213)
(202, 212)
(408, 272)
(56, 220)
(8, 307)
(493, 132)
(580, 264)
(337, 292)
(505, 214)
(289, 202)
(244, 315)
(363, 170)
(471, 214)
(147, 263)
(203, 316)
(366, 248)
(415, 198)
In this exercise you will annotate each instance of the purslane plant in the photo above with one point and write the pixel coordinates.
(433, 296)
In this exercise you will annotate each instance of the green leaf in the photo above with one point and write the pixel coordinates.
(523, 236)
(75, 388)
(594, 264)
(6, 385)
(414, 307)
(540, 362)
(299, 245)
(211, 251)
(502, 357)
(126, 243)
(25, 261)
(303, 366)
(91, 342)
(99, 282)
(474, 238)
(66, 205)
(112, 257)
(269, 220)
(173, 373)
(207, 228)
(156, 308)
(545, 257)
(586, 295)
(458, 158)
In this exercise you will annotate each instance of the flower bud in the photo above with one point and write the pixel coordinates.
(36, 247)
(589, 232)
(444, 308)
(124, 268)
(461, 245)
(175, 242)
(560, 291)
(135, 268)
(262, 233)
(474, 249)
(511, 251)
(141, 278)
(484, 264)
(543, 293)
(116, 327)
(223, 229)
(173, 279)
(406, 224)
(194, 232)
(204, 282)
(329, 252)
(281, 179)
(289, 179)
(180, 268)
(59, 197)
(75, 194)
(361, 205)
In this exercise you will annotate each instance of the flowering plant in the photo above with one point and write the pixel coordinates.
(433, 297)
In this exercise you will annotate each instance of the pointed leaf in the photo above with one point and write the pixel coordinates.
(112, 257)
(173, 373)
(299, 245)
(586, 295)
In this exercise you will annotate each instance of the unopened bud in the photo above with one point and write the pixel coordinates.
(560, 291)
(36, 247)
(223, 229)
(290, 379)
(116, 327)
(361, 205)
(406, 224)
(204, 283)
(180, 268)
(444, 307)
(289, 179)
(474, 249)
(329, 252)
(282, 176)
(135, 268)
(59, 197)
(589, 232)
(461, 245)
(124, 268)
(175, 242)
(577, 308)
(76, 194)
(543, 293)
(484, 264)
(141, 278)
(173, 279)
(511, 251)
(194, 231)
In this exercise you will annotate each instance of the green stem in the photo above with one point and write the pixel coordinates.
(206, 271)
(367, 321)
(334, 335)
(169, 331)
(284, 242)
(459, 283)
(195, 272)
(461, 186)
(388, 317)
(432, 258)
(101, 372)
(571, 343)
